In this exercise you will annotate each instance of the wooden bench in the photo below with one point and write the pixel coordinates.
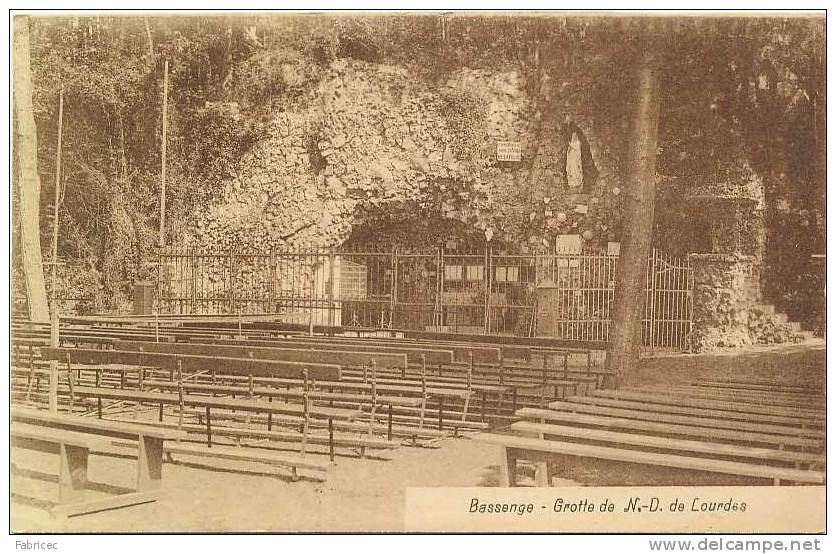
(545, 430)
(515, 448)
(306, 411)
(714, 423)
(773, 399)
(729, 415)
(50, 430)
(746, 407)
(342, 398)
(73, 449)
(757, 385)
(674, 429)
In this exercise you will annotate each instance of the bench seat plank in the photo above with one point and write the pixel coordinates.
(290, 436)
(111, 428)
(249, 455)
(55, 437)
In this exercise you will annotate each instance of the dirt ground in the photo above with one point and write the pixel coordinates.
(359, 494)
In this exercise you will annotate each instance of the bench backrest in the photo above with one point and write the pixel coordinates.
(461, 353)
(338, 357)
(413, 354)
(544, 342)
(191, 363)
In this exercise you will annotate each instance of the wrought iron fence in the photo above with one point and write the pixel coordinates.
(565, 295)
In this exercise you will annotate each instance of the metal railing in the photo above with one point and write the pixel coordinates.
(563, 295)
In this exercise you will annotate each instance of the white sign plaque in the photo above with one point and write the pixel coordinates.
(508, 151)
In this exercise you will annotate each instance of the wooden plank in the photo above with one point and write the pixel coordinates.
(249, 455)
(54, 437)
(667, 443)
(238, 366)
(714, 423)
(109, 503)
(703, 403)
(504, 339)
(109, 428)
(654, 426)
(533, 446)
(486, 354)
(755, 384)
(336, 357)
(772, 399)
(284, 393)
(312, 438)
(353, 383)
(433, 355)
(699, 412)
(338, 425)
(213, 402)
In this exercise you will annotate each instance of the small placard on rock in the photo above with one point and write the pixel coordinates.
(568, 244)
(508, 151)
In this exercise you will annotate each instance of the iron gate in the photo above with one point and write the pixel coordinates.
(564, 295)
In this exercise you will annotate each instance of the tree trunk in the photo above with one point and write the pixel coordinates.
(639, 194)
(28, 180)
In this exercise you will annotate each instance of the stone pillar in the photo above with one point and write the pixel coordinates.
(722, 297)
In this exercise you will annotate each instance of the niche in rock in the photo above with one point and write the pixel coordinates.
(579, 166)
(317, 160)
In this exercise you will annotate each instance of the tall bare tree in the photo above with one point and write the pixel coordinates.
(640, 191)
(26, 175)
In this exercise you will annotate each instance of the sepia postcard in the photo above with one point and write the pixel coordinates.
(419, 272)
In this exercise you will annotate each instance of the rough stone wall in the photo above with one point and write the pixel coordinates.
(727, 308)
(369, 134)
(721, 301)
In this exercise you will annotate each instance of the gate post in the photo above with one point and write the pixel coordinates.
(394, 287)
(487, 288)
(271, 285)
(231, 284)
(652, 315)
(331, 258)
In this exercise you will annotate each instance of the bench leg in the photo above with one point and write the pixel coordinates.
(508, 468)
(150, 459)
(542, 475)
(72, 474)
(331, 439)
(389, 427)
